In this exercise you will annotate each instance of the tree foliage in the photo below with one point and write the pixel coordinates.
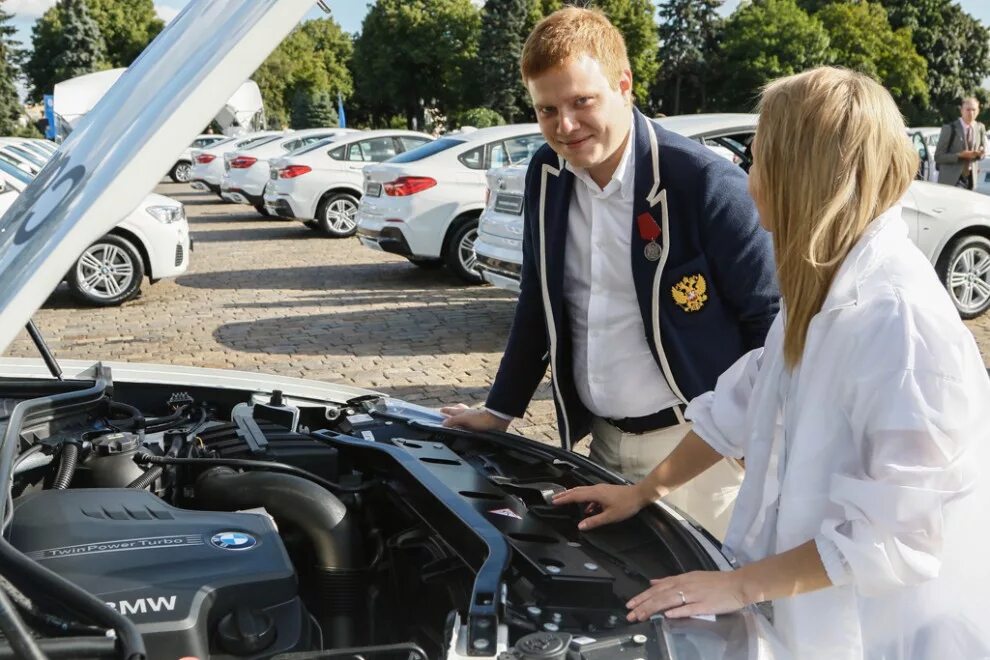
(688, 33)
(634, 19)
(10, 57)
(312, 60)
(478, 118)
(80, 45)
(417, 53)
(765, 40)
(862, 39)
(125, 28)
(314, 109)
(503, 31)
(956, 47)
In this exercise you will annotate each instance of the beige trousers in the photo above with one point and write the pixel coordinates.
(708, 498)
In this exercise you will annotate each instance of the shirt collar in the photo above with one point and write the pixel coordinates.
(844, 290)
(623, 179)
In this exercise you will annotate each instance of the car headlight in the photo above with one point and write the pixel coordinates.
(167, 214)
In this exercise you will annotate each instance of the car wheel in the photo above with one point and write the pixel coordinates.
(260, 208)
(965, 271)
(335, 215)
(180, 173)
(425, 262)
(108, 273)
(459, 255)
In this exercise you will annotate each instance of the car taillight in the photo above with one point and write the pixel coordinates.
(408, 185)
(203, 159)
(243, 162)
(292, 171)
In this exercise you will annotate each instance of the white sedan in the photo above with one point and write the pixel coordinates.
(950, 225)
(208, 164)
(424, 204)
(321, 185)
(247, 169)
(153, 241)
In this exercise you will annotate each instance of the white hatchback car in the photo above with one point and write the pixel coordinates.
(321, 185)
(153, 241)
(424, 204)
(247, 169)
(183, 166)
(207, 170)
(950, 225)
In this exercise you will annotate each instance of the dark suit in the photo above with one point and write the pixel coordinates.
(709, 228)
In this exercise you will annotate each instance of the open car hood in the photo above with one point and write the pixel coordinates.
(120, 149)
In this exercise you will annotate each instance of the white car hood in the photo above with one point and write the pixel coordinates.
(120, 149)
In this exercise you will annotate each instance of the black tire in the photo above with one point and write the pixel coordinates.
(460, 242)
(260, 208)
(964, 268)
(312, 224)
(181, 171)
(335, 215)
(92, 281)
(426, 263)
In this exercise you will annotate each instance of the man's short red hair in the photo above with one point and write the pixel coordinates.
(568, 34)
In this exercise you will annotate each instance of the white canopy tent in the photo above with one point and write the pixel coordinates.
(244, 112)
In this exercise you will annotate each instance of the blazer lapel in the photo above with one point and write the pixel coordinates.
(649, 207)
(558, 183)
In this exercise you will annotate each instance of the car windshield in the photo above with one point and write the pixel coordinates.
(426, 150)
(316, 145)
(257, 142)
(9, 168)
(37, 149)
(29, 156)
(217, 143)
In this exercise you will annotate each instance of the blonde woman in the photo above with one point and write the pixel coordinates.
(863, 421)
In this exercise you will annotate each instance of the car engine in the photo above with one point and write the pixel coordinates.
(226, 523)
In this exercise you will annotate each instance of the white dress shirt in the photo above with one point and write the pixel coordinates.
(876, 447)
(614, 370)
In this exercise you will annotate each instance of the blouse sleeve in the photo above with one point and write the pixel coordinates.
(719, 416)
(913, 429)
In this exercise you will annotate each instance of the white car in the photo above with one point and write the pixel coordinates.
(424, 204)
(27, 156)
(183, 166)
(321, 185)
(208, 164)
(153, 241)
(925, 141)
(950, 225)
(247, 168)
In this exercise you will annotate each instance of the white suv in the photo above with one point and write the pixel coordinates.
(183, 165)
(246, 169)
(207, 170)
(424, 204)
(321, 185)
(153, 241)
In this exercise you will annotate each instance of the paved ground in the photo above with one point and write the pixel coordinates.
(273, 296)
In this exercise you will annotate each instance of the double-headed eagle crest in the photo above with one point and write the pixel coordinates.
(690, 293)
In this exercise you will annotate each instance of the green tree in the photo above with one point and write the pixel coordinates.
(417, 53)
(479, 118)
(860, 38)
(80, 44)
(313, 109)
(765, 40)
(688, 33)
(312, 60)
(10, 57)
(956, 47)
(126, 27)
(502, 35)
(634, 19)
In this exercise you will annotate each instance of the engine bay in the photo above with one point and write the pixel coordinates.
(225, 523)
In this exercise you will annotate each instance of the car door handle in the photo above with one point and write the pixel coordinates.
(937, 210)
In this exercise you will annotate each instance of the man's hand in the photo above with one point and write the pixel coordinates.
(609, 503)
(970, 154)
(473, 419)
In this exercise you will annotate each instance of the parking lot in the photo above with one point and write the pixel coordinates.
(272, 296)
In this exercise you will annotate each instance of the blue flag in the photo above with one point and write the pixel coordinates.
(341, 118)
(51, 132)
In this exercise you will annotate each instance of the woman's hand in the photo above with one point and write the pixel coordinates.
(609, 503)
(690, 594)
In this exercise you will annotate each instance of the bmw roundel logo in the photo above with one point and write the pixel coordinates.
(234, 541)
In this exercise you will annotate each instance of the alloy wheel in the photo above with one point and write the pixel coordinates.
(969, 279)
(104, 271)
(182, 171)
(465, 251)
(340, 215)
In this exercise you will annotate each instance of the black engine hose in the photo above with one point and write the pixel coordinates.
(321, 517)
(28, 575)
(17, 634)
(68, 648)
(135, 417)
(66, 466)
(147, 478)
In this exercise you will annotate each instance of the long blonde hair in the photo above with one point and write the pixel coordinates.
(831, 154)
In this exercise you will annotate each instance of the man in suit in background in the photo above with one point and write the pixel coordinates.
(645, 270)
(961, 145)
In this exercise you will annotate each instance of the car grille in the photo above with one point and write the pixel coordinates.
(180, 255)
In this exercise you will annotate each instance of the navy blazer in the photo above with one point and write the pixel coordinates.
(696, 327)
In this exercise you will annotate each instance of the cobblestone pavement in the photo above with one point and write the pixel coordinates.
(272, 296)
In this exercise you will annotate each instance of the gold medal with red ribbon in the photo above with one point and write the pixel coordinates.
(649, 230)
